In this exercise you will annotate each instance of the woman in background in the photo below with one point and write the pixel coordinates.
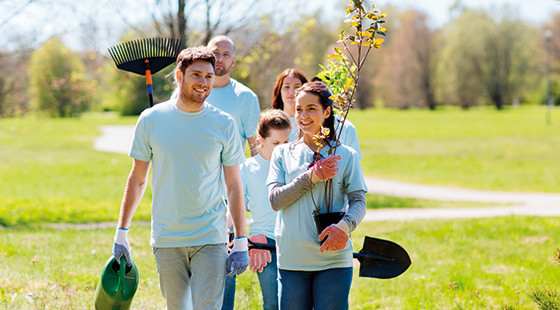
(284, 95)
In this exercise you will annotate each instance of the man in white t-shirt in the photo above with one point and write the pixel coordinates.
(189, 143)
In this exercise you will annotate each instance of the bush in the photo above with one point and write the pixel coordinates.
(57, 78)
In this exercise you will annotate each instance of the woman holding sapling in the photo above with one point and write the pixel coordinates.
(315, 175)
(284, 98)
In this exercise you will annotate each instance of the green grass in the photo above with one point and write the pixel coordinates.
(50, 172)
(510, 150)
(456, 264)
(382, 201)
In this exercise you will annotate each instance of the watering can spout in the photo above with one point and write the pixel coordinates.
(117, 285)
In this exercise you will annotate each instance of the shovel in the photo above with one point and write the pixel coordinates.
(381, 259)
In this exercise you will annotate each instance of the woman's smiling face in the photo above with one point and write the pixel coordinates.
(310, 114)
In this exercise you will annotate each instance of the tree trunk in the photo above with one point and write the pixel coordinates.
(182, 23)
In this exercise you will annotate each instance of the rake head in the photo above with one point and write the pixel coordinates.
(131, 56)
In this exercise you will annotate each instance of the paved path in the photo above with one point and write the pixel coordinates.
(117, 139)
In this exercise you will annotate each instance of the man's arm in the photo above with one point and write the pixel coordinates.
(253, 145)
(133, 192)
(236, 200)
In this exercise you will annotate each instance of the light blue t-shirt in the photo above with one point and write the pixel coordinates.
(241, 103)
(187, 151)
(296, 236)
(253, 174)
(295, 130)
(348, 136)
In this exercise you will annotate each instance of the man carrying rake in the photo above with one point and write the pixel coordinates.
(189, 144)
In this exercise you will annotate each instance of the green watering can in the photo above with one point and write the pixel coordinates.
(117, 285)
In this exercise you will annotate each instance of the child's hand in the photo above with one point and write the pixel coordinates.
(258, 259)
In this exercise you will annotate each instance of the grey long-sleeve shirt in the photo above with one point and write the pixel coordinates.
(284, 195)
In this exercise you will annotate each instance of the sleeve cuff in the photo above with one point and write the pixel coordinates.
(343, 225)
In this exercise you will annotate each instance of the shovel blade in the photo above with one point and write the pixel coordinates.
(382, 259)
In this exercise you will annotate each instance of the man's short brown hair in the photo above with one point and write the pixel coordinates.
(189, 55)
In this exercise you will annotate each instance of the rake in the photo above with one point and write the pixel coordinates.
(146, 57)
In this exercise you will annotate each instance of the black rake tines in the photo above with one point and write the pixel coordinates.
(160, 52)
(146, 57)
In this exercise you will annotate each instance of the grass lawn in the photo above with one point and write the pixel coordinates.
(510, 150)
(50, 173)
(456, 264)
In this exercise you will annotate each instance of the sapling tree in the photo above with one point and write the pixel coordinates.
(342, 73)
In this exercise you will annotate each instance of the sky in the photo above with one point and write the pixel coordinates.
(37, 20)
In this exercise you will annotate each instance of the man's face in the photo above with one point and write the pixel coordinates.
(225, 56)
(196, 83)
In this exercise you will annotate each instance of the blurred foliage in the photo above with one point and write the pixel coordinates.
(58, 83)
(478, 58)
(301, 45)
(408, 69)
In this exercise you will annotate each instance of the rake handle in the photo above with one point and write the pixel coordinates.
(149, 82)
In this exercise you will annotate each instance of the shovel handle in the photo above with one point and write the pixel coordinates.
(357, 255)
(260, 246)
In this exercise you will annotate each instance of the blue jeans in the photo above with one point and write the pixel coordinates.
(192, 277)
(318, 290)
(229, 293)
(268, 280)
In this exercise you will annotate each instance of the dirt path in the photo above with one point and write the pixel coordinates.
(117, 139)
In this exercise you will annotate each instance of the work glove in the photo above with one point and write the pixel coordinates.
(121, 246)
(326, 168)
(258, 259)
(336, 238)
(238, 258)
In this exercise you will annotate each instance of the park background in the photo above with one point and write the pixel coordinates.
(462, 101)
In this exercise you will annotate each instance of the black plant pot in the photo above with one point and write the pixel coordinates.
(324, 220)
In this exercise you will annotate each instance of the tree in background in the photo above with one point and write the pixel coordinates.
(264, 52)
(176, 18)
(408, 68)
(14, 97)
(456, 76)
(57, 81)
(504, 60)
(486, 60)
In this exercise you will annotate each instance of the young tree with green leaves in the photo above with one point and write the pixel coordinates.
(57, 81)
